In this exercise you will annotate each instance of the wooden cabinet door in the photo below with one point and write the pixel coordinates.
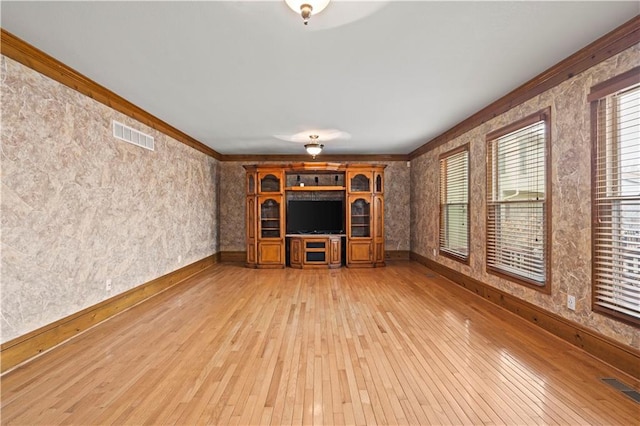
(335, 252)
(271, 253)
(295, 252)
(360, 252)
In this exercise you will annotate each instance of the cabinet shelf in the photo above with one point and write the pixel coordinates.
(315, 188)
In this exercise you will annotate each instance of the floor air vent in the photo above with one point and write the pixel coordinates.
(127, 134)
(617, 384)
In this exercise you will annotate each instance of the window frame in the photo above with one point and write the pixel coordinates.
(541, 115)
(602, 90)
(443, 252)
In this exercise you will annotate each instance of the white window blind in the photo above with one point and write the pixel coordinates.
(616, 197)
(517, 201)
(454, 204)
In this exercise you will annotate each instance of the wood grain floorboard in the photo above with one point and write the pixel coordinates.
(396, 345)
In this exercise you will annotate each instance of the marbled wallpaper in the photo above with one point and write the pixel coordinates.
(570, 197)
(232, 208)
(79, 207)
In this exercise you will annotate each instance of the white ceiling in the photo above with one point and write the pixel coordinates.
(234, 74)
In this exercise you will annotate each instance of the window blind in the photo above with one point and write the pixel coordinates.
(616, 198)
(517, 201)
(454, 204)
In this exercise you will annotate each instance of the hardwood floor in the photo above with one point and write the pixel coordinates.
(396, 345)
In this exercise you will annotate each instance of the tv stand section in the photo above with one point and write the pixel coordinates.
(315, 251)
(269, 188)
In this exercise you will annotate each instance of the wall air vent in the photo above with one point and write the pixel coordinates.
(127, 134)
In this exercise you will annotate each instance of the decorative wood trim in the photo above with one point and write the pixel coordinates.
(233, 256)
(616, 41)
(397, 255)
(29, 345)
(599, 148)
(20, 51)
(617, 83)
(542, 115)
(445, 155)
(620, 356)
(316, 168)
(321, 158)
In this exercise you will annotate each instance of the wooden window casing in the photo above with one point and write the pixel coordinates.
(519, 201)
(453, 239)
(615, 135)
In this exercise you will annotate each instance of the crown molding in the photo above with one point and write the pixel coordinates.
(21, 51)
(321, 158)
(612, 43)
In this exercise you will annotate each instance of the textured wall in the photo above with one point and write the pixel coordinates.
(79, 207)
(397, 207)
(570, 195)
(232, 208)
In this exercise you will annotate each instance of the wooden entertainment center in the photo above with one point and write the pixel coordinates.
(270, 188)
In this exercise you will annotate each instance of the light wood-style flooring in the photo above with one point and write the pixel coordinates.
(395, 345)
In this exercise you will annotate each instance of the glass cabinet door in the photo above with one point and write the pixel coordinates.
(269, 182)
(360, 211)
(270, 218)
(359, 182)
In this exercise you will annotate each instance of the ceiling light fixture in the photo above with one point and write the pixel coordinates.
(314, 147)
(306, 8)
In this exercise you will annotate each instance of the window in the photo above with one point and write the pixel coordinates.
(454, 204)
(615, 107)
(518, 202)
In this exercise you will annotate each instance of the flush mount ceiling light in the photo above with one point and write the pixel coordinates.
(314, 147)
(306, 8)
(325, 134)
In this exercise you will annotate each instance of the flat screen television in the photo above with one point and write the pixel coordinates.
(315, 217)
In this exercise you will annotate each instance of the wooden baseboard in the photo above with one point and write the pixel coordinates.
(397, 255)
(241, 256)
(27, 346)
(233, 256)
(618, 355)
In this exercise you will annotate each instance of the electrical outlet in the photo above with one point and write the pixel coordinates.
(435, 252)
(571, 302)
(107, 285)
(179, 258)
